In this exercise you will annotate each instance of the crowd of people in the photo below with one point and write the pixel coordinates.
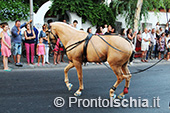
(154, 43)
(36, 44)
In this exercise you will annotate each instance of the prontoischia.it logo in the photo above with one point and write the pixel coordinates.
(100, 102)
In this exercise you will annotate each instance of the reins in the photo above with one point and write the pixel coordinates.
(121, 51)
(74, 45)
(111, 45)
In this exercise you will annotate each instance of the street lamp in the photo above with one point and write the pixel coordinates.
(31, 12)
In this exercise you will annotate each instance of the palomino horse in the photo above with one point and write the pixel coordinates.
(117, 60)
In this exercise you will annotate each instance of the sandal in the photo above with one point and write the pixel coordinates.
(48, 62)
(8, 70)
(146, 60)
(33, 63)
(142, 61)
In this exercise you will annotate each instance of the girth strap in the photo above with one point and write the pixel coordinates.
(85, 47)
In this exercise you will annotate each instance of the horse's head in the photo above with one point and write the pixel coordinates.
(66, 33)
(51, 36)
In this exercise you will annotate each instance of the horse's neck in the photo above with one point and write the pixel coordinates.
(69, 35)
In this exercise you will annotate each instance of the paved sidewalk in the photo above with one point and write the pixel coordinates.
(136, 62)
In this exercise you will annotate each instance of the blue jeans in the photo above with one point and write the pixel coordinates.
(16, 48)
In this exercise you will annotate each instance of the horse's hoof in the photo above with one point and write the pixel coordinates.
(69, 86)
(114, 96)
(121, 97)
(77, 93)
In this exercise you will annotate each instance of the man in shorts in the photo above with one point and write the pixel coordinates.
(145, 44)
(17, 41)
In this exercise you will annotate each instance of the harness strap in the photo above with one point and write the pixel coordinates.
(111, 45)
(85, 47)
(126, 87)
(114, 88)
(74, 45)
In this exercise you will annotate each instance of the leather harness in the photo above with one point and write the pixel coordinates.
(89, 36)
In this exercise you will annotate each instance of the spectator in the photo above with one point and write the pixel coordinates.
(0, 36)
(131, 36)
(145, 44)
(82, 29)
(6, 46)
(57, 51)
(108, 30)
(166, 28)
(29, 43)
(36, 38)
(41, 51)
(157, 43)
(122, 32)
(75, 22)
(161, 46)
(112, 30)
(161, 30)
(138, 42)
(167, 38)
(168, 50)
(157, 26)
(49, 21)
(105, 29)
(65, 21)
(45, 41)
(152, 45)
(99, 31)
(16, 41)
(89, 30)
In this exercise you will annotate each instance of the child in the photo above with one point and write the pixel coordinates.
(40, 51)
(57, 52)
(6, 46)
(168, 50)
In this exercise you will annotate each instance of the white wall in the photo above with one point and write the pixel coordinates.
(86, 25)
(39, 16)
(152, 18)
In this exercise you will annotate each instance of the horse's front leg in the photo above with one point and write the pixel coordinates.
(67, 68)
(78, 66)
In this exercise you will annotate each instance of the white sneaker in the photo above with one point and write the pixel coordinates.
(106, 63)
(131, 63)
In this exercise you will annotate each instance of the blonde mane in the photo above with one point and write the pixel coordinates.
(80, 31)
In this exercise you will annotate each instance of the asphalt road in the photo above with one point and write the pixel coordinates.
(26, 91)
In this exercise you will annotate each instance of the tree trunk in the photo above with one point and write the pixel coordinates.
(137, 14)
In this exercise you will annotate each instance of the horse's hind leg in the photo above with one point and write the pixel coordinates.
(67, 68)
(127, 76)
(118, 72)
